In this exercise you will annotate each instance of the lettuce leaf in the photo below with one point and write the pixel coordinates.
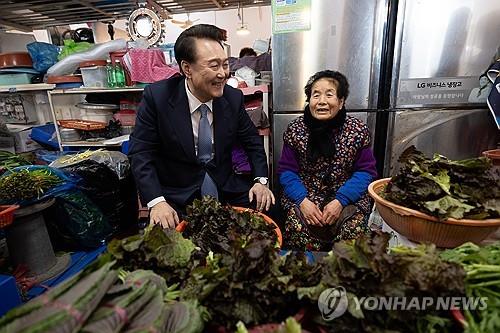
(445, 188)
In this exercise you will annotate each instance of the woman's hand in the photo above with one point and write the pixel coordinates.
(332, 211)
(311, 212)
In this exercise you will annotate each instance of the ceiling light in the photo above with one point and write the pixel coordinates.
(242, 30)
(22, 11)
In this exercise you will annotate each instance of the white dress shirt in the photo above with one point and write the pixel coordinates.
(194, 104)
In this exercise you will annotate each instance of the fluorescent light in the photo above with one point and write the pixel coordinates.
(242, 30)
(22, 11)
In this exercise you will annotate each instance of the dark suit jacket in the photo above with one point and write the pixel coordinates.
(162, 150)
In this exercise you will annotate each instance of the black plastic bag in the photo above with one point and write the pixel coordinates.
(75, 222)
(116, 198)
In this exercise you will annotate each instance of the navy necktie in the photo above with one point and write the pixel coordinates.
(205, 151)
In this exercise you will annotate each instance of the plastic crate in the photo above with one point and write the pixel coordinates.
(20, 78)
(84, 125)
(126, 118)
(103, 116)
(125, 146)
(7, 215)
(118, 55)
(45, 135)
(94, 77)
(128, 105)
(7, 143)
(10, 294)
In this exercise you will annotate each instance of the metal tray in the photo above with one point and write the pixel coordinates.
(95, 106)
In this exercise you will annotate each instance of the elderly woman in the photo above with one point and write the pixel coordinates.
(325, 168)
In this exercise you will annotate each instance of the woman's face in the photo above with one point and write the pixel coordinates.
(324, 103)
(483, 80)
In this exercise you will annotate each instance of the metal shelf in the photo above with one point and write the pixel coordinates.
(93, 90)
(55, 91)
(26, 87)
(263, 88)
(88, 144)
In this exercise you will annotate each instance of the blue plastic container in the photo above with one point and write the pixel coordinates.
(13, 79)
(125, 146)
(10, 294)
(46, 135)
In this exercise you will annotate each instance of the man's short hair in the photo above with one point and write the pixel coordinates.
(247, 51)
(184, 47)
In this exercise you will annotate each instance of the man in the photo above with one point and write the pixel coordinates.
(185, 129)
(247, 52)
(248, 57)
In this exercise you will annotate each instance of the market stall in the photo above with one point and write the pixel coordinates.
(78, 252)
(224, 270)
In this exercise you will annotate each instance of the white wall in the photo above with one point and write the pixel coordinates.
(257, 19)
(39, 35)
(101, 31)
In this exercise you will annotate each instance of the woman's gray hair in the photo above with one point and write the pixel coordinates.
(339, 78)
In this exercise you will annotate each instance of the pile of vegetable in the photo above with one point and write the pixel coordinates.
(465, 189)
(482, 265)
(239, 275)
(247, 281)
(366, 267)
(213, 227)
(289, 326)
(9, 160)
(102, 299)
(251, 283)
(26, 184)
(164, 251)
(66, 160)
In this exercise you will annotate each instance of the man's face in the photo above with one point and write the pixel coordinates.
(208, 74)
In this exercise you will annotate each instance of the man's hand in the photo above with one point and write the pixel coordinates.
(162, 213)
(263, 196)
(332, 211)
(311, 212)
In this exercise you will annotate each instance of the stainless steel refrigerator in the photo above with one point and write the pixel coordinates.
(386, 48)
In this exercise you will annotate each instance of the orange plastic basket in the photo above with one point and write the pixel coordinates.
(493, 155)
(7, 215)
(84, 125)
(423, 228)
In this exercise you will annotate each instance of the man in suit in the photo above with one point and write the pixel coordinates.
(185, 129)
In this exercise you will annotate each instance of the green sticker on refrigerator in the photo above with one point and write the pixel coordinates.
(291, 15)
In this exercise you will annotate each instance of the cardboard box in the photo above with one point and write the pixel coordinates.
(22, 138)
(7, 143)
(18, 109)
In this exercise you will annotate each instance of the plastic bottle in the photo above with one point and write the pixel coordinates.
(110, 74)
(119, 74)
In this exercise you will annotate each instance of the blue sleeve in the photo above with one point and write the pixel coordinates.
(354, 188)
(293, 187)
